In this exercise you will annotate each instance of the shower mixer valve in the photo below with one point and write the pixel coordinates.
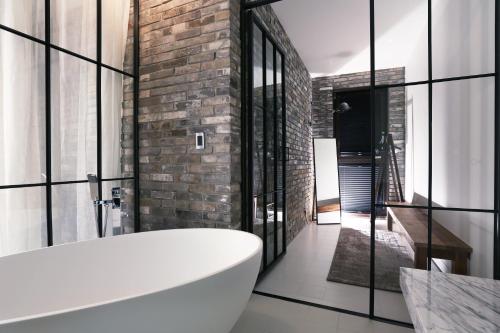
(114, 202)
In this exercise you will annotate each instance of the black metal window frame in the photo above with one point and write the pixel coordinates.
(246, 8)
(49, 46)
(248, 136)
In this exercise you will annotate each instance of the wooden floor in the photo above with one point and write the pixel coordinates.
(329, 208)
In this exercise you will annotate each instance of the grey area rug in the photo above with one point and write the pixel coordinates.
(351, 261)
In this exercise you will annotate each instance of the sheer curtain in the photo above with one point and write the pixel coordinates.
(22, 128)
(73, 117)
(114, 39)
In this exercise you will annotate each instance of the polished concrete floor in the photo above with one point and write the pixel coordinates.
(269, 315)
(302, 272)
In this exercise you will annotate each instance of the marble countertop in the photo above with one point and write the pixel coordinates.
(441, 302)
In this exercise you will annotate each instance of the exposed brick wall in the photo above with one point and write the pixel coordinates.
(190, 82)
(322, 108)
(300, 179)
(185, 87)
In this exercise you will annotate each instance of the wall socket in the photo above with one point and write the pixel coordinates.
(200, 140)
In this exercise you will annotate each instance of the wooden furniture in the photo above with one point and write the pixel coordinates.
(411, 223)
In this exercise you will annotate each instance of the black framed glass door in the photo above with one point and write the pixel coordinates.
(267, 140)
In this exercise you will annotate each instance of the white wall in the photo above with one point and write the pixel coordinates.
(463, 114)
(463, 44)
(327, 181)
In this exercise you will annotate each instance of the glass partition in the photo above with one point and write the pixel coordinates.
(445, 222)
(268, 140)
(465, 28)
(432, 151)
(22, 110)
(65, 114)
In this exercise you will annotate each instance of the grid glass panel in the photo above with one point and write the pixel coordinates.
(22, 110)
(73, 215)
(280, 219)
(475, 234)
(463, 37)
(270, 221)
(71, 101)
(270, 115)
(118, 18)
(74, 118)
(117, 125)
(280, 134)
(401, 39)
(267, 136)
(23, 219)
(463, 144)
(412, 142)
(73, 26)
(393, 250)
(258, 113)
(27, 16)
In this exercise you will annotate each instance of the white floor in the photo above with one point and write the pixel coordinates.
(329, 217)
(269, 315)
(302, 272)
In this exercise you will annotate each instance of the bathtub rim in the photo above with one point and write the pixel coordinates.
(135, 296)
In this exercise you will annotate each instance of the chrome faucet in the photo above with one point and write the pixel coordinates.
(115, 202)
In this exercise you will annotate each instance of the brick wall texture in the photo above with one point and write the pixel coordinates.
(322, 108)
(190, 82)
(185, 88)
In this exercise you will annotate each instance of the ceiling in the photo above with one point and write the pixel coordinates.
(333, 36)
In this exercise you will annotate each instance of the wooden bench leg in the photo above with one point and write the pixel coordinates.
(459, 264)
(389, 222)
(421, 258)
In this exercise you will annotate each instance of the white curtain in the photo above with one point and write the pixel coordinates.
(73, 113)
(22, 135)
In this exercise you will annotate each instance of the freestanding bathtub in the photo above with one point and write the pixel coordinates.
(176, 281)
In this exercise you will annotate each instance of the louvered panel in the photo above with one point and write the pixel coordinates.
(355, 187)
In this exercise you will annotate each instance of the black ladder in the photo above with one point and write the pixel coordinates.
(387, 151)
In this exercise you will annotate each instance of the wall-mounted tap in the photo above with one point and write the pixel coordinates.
(115, 201)
(116, 194)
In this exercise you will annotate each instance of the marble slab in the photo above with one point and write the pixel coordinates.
(441, 302)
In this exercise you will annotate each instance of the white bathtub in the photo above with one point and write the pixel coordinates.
(176, 281)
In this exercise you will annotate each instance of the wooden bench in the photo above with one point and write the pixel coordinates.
(411, 223)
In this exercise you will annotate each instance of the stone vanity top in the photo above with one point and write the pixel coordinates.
(441, 302)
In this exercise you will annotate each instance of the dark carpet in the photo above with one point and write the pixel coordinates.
(351, 261)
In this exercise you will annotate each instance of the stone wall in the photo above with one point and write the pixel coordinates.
(322, 107)
(300, 177)
(185, 88)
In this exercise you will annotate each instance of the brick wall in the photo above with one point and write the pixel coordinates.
(185, 87)
(322, 107)
(190, 82)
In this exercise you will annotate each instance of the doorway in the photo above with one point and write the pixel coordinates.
(352, 123)
(266, 149)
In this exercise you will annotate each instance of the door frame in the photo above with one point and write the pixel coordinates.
(249, 19)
